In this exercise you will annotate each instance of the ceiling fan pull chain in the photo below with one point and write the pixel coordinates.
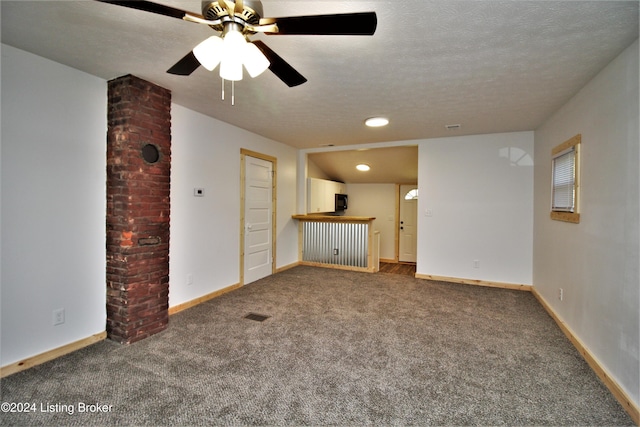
(233, 92)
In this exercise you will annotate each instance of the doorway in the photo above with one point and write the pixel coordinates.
(257, 225)
(408, 223)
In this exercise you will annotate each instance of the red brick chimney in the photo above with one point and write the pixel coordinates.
(138, 208)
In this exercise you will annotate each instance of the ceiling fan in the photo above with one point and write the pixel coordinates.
(236, 21)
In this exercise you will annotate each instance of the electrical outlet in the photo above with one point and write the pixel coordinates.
(476, 263)
(189, 279)
(335, 251)
(560, 294)
(58, 317)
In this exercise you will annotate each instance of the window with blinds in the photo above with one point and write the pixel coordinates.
(564, 180)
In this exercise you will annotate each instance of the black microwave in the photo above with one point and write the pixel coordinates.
(341, 202)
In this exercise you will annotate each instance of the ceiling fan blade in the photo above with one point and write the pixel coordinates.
(280, 67)
(187, 65)
(346, 24)
(152, 7)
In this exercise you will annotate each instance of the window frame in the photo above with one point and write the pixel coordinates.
(571, 145)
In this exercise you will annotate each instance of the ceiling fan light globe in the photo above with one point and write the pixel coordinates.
(231, 70)
(254, 60)
(209, 52)
(233, 49)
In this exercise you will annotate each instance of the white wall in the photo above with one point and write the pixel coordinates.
(379, 201)
(479, 190)
(596, 261)
(54, 123)
(205, 231)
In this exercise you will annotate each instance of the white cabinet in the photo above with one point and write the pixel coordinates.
(321, 194)
(340, 188)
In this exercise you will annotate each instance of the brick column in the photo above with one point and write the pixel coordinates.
(138, 208)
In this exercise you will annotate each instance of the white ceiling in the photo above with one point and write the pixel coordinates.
(491, 66)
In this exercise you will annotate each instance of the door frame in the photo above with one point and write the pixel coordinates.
(397, 230)
(274, 161)
(397, 226)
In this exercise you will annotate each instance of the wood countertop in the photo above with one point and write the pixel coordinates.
(333, 218)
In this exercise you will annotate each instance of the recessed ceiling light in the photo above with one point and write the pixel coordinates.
(375, 122)
(363, 167)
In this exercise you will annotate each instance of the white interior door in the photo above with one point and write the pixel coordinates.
(408, 241)
(258, 217)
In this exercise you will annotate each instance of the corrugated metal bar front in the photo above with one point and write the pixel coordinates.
(335, 243)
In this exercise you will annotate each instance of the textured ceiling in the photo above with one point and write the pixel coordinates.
(490, 66)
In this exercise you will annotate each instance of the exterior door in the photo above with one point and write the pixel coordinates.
(258, 219)
(407, 240)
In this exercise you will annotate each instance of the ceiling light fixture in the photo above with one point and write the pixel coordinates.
(363, 167)
(231, 51)
(376, 122)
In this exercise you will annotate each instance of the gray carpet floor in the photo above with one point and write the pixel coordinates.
(338, 348)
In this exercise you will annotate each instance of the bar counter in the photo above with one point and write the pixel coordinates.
(333, 218)
(338, 241)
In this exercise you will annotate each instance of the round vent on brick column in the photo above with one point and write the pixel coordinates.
(150, 153)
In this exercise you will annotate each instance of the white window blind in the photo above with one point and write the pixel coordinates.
(564, 181)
